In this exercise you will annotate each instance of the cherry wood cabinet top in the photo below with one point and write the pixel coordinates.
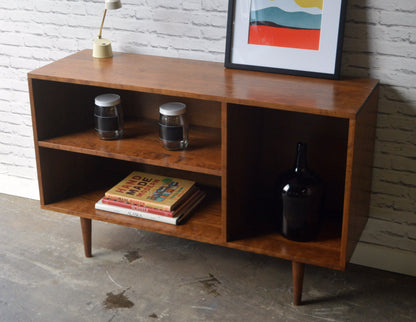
(211, 81)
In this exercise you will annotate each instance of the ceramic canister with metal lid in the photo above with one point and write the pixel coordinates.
(108, 116)
(173, 126)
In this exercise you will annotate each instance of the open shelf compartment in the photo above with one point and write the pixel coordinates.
(204, 224)
(63, 191)
(264, 142)
(64, 120)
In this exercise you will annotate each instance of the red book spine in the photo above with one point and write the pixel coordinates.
(139, 208)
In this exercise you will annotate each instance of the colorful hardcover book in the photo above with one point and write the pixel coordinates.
(156, 211)
(146, 215)
(150, 190)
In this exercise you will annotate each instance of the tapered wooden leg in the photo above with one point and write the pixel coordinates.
(298, 270)
(86, 235)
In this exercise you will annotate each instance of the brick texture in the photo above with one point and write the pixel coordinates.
(380, 42)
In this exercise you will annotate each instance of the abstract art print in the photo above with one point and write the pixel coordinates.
(286, 23)
(300, 37)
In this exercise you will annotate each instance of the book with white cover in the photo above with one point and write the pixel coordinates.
(146, 215)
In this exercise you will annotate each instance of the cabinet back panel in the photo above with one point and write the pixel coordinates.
(66, 174)
(244, 145)
(62, 108)
(327, 140)
(146, 105)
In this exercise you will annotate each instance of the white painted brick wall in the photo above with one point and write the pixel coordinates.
(380, 42)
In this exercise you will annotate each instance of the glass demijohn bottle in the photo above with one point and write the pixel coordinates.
(300, 193)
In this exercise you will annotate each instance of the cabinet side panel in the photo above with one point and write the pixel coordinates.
(361, 176)
(32, 87)
(224, 162)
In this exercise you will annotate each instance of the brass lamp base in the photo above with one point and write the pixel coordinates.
(102, 48)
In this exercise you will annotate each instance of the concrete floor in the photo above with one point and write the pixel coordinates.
(141, 276)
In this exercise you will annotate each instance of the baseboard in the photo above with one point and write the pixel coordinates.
(19, 187)
(385, 258)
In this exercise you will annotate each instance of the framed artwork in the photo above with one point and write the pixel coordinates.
(298, 37)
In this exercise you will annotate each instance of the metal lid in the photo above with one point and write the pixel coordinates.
(107, 100)
(172, 108)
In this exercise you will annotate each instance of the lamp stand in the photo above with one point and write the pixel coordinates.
(102, 47)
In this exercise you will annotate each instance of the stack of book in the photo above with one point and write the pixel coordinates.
(153, 197)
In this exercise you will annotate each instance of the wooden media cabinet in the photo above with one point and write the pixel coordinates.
(244, 127)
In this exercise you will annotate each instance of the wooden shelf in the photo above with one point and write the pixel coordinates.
(203, 225)
(141, 144)
(325, 250)
(211, 81)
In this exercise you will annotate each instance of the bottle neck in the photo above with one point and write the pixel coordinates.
(301, 162)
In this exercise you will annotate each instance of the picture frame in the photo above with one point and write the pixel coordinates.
(296, 37)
